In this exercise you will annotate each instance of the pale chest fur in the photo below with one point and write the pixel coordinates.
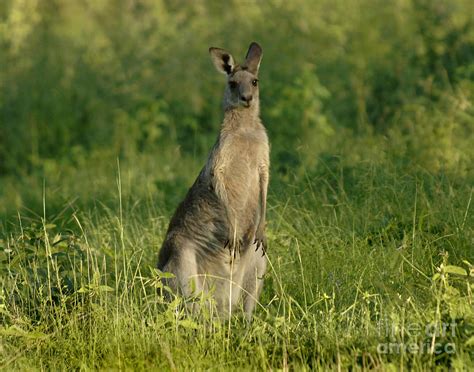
(239, 158)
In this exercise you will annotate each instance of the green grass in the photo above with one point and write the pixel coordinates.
(362, 258)
(368, 106)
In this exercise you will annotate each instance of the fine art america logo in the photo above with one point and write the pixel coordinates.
(429, 336)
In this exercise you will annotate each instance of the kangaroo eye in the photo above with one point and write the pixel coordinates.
(254, 82)
(232, 84)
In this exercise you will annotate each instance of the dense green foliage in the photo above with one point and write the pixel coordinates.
(120, 77)
(107, 111)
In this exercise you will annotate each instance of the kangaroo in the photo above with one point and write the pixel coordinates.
(216, 241)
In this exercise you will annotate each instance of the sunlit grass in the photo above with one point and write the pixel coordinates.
(352, 278)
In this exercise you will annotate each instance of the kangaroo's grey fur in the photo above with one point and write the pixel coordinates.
(216, 241)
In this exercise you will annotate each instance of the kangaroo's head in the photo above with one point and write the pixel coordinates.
(242, 80)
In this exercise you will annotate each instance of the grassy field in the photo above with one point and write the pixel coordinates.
(107, 111)
(365, 262)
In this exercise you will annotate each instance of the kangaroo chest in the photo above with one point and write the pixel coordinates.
(239, 163)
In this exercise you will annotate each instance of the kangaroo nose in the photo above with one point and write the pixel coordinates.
(246, 98)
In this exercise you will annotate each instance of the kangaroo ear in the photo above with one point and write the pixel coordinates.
(223, 60)
(253, 58)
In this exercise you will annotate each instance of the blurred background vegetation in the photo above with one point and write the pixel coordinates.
(86, 82)
(107, 111)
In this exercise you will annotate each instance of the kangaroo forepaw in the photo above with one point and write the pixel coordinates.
(261, 242)
(233, 246)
